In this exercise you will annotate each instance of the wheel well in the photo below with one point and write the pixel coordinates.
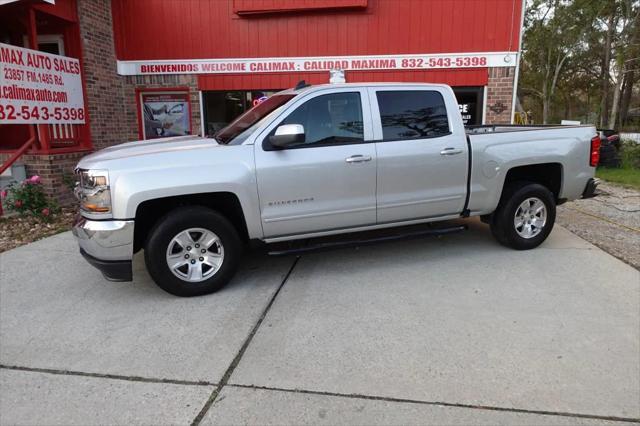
(548, 175)
(149, 212)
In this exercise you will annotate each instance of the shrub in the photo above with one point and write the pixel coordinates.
(28, 197)
(630, 154)
(69, 181)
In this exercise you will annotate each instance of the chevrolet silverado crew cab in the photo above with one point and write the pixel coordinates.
(316, 161)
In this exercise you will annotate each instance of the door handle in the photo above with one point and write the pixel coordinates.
(358, 158)
(450, 151)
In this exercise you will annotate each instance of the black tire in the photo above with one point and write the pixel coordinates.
(174, 223)
(502, 220)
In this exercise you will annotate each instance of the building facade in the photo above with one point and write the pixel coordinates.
(155, 68)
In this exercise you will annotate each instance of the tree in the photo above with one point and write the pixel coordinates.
(605, 74)
(555, 32)
(626, 42)
(581, 60)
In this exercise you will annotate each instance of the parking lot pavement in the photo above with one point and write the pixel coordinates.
(32, 398)
(268, 407)
(57, 312)
(446, 330)
(460, 320)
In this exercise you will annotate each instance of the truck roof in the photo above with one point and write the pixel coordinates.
(316, 87)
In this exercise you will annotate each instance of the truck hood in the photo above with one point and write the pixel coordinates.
(147, 147)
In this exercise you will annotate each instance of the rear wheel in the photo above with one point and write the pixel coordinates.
(525, 216)
(192, 251)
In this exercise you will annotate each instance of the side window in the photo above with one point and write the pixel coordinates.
(412, 114)
(330, 119)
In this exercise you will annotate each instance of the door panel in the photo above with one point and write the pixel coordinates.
(415, 181)
(312, 189)
(422, 163)
(329, 183)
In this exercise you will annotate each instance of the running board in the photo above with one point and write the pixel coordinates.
(369, 241)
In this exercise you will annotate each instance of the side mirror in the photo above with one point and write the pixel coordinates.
(287, 135)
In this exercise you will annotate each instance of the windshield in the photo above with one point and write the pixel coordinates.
(251, 117)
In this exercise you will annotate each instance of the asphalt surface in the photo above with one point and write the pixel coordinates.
(447, 330)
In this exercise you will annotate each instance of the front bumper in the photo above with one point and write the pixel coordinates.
(107, 245)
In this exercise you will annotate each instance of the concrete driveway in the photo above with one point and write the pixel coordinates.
(449, 330)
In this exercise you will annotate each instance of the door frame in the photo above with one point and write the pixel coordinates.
(456, 133)
(367, 114)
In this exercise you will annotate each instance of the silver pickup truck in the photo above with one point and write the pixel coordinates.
(316, 161)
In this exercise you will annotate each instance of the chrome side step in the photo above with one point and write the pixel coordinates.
(314, 247)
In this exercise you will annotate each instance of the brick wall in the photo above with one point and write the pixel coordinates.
(499, 95)
(131, 83)
(53, 169)
(112, 98)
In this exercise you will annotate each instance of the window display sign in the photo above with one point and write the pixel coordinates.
(38, 87)
(470, 104)
(165, 114)
(467, 111)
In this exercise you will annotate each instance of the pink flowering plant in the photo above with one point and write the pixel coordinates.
(28, 197)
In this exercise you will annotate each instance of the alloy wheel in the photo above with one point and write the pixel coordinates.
(195, 255)
(530, 217)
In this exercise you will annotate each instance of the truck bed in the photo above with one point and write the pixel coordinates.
(504, 128)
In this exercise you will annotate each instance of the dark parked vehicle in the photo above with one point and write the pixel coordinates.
(609, 148)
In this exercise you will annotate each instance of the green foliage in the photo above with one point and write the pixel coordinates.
(629, 173)
(69, 180)
(554, 37)
(630, 155)
(625, 176)
(28, 198)
(576, 53)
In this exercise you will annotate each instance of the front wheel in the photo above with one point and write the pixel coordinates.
(525, 216)
(192, 251)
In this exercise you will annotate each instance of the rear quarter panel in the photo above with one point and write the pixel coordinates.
(494, 154)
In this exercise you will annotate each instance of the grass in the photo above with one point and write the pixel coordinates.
(627, 176)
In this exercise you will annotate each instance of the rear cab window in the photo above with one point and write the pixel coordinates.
(412, 114)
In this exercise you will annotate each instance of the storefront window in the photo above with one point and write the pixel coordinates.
(164, 114)
(221, 108)
(470, 104)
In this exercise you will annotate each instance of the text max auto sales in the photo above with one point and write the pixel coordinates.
(15, 57)
(39, 87)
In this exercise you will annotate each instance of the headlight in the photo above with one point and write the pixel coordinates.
(93, 191)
